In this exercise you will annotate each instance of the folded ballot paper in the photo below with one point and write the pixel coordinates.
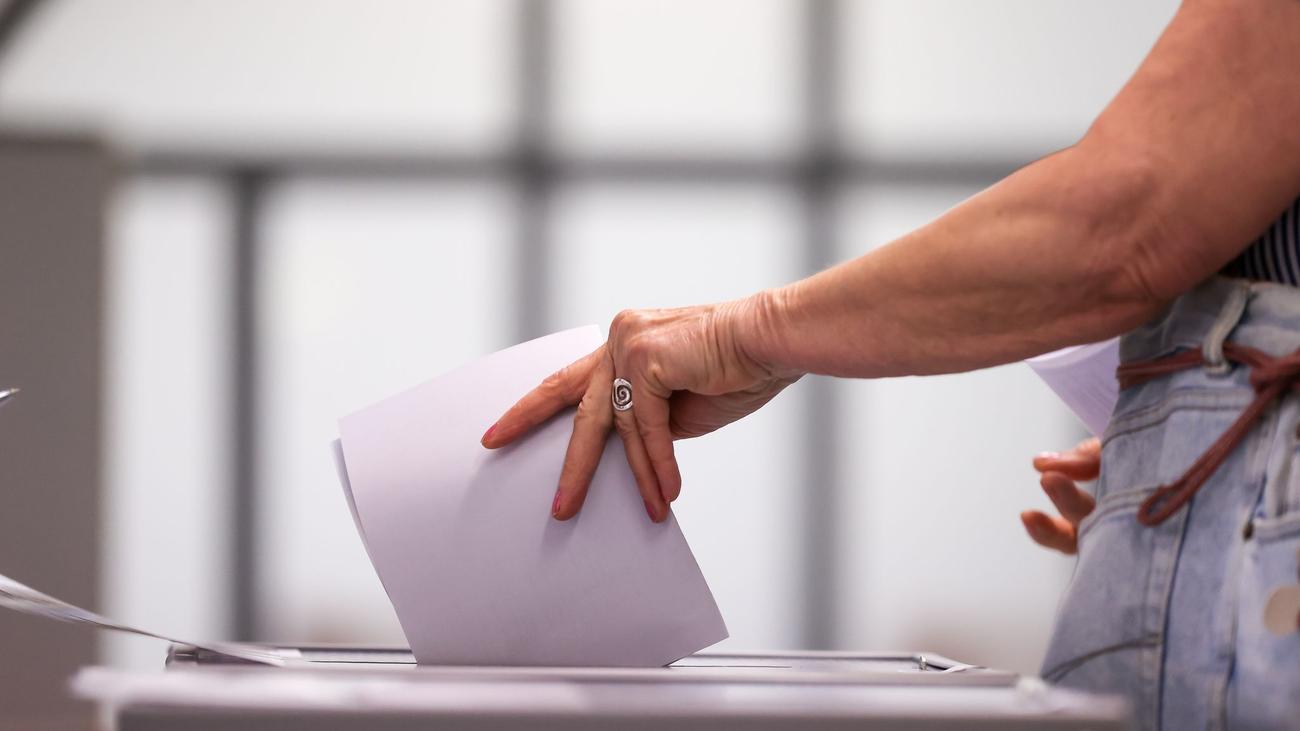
(1083, 376)
(464, 543)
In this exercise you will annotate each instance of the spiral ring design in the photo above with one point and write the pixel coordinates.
(622, 396)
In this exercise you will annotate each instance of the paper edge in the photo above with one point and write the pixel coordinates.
(463, 366)
(1069, 356)
(340, 464)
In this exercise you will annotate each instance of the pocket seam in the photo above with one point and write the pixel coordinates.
(1114, 502)
(1190, 398)
(1064, 668)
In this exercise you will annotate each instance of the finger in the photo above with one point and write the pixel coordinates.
(1050, 532)
(1073, 503)
(1090, 447)
(591, 425)
(692, 415)
(1081, 463)
(651, 414)
(653, 464)
(639, 461)
(556, 392)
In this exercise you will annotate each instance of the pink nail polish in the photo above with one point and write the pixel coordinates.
(488, 433)
(555, 504)
(649, 510)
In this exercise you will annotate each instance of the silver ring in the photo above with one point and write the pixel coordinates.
(622, 396)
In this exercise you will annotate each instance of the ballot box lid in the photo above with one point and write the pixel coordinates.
(816, 667)
(351, 689)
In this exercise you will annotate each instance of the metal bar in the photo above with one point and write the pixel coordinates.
(924, 172)
(821, 448)
(614, 169)
(534, 171)
(14, 16)
(430, 165)
(679, 169)
(249, 186)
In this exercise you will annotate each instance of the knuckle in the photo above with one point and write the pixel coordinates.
(642, 354)
(559, 385)
(638, 348)
(654, 371)
(621, 319)
(583, 417)
(553, 383)
(590, 414)
(626, 322)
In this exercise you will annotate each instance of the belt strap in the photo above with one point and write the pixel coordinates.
(1270, 376)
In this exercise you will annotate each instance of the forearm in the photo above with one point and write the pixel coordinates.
(1035, 263)
(1191, 160)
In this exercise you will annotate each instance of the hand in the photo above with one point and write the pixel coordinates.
(690, 373)
(1060, 475)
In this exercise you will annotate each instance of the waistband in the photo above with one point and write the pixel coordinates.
(1260, 315)
(1219, 324)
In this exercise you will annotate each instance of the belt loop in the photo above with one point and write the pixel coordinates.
(1234, 306)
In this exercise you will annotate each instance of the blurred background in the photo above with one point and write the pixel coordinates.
(242, 219)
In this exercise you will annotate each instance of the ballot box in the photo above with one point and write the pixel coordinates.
(376, 689)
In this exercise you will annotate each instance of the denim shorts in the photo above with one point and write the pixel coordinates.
(1171, 616)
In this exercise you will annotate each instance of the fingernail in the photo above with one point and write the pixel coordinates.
(1048, 455)
(487, 434)
(649, 510)
(555, 504)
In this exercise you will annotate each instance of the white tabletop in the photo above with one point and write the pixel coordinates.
(684, 697)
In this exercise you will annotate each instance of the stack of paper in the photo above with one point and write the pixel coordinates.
(463, 540)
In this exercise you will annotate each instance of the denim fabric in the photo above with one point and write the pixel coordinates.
(1172, 616)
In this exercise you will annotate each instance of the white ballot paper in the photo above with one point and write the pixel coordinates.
(22, 598)
(1083, 376)
(463, 540)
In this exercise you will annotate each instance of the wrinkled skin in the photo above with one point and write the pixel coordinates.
(690, 377)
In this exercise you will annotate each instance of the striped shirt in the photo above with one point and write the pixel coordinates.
(1274, 256)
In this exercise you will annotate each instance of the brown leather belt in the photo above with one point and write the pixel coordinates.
(1271, 376)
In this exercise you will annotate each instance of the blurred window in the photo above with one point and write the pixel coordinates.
(651, 77)
(168, 417)
(951, 78)
(403, 185)
(947, 456)
(367, 289)
(273, 76)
